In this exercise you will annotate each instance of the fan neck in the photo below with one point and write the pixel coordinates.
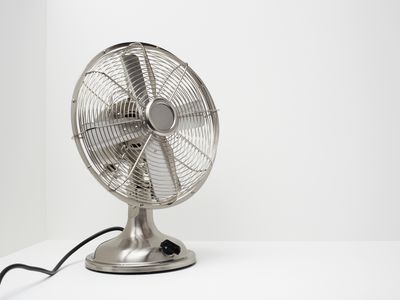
(140, 223)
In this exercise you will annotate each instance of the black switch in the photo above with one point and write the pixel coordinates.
(170, 248)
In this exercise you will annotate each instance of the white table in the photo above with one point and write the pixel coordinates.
(225, 270)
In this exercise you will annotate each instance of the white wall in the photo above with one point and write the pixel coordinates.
(22, 123)
(308, 93)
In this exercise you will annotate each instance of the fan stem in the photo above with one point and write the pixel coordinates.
(140, 222)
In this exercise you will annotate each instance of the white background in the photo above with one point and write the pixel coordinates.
(308, 93)
(22, 123)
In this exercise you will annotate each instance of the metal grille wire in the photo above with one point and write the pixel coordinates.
(112, 135)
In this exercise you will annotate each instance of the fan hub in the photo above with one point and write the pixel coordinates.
(161, 116)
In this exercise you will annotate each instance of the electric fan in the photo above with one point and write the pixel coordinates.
(146, 127)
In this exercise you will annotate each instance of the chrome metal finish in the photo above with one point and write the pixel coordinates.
(137, 249)
(117, 105)
(147, 129)
(161, 116)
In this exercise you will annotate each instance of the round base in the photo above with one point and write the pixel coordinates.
(174, 263)
(138, 249)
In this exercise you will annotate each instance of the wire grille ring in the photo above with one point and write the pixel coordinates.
(145, 125)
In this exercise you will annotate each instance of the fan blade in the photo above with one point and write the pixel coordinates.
(128, 122)
(134, 76)
(106, 135)
(101, 139)
(170, 160)
(160, 157)
(162, 169)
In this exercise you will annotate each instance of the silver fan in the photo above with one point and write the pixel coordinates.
(147, 129)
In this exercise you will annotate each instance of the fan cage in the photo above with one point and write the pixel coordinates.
(113, 137)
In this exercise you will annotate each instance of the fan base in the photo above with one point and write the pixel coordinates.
(137, 249)
(140, 268)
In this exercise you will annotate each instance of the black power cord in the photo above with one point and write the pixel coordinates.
(65, 257)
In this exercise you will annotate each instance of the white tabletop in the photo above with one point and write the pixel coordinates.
(226, 270)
